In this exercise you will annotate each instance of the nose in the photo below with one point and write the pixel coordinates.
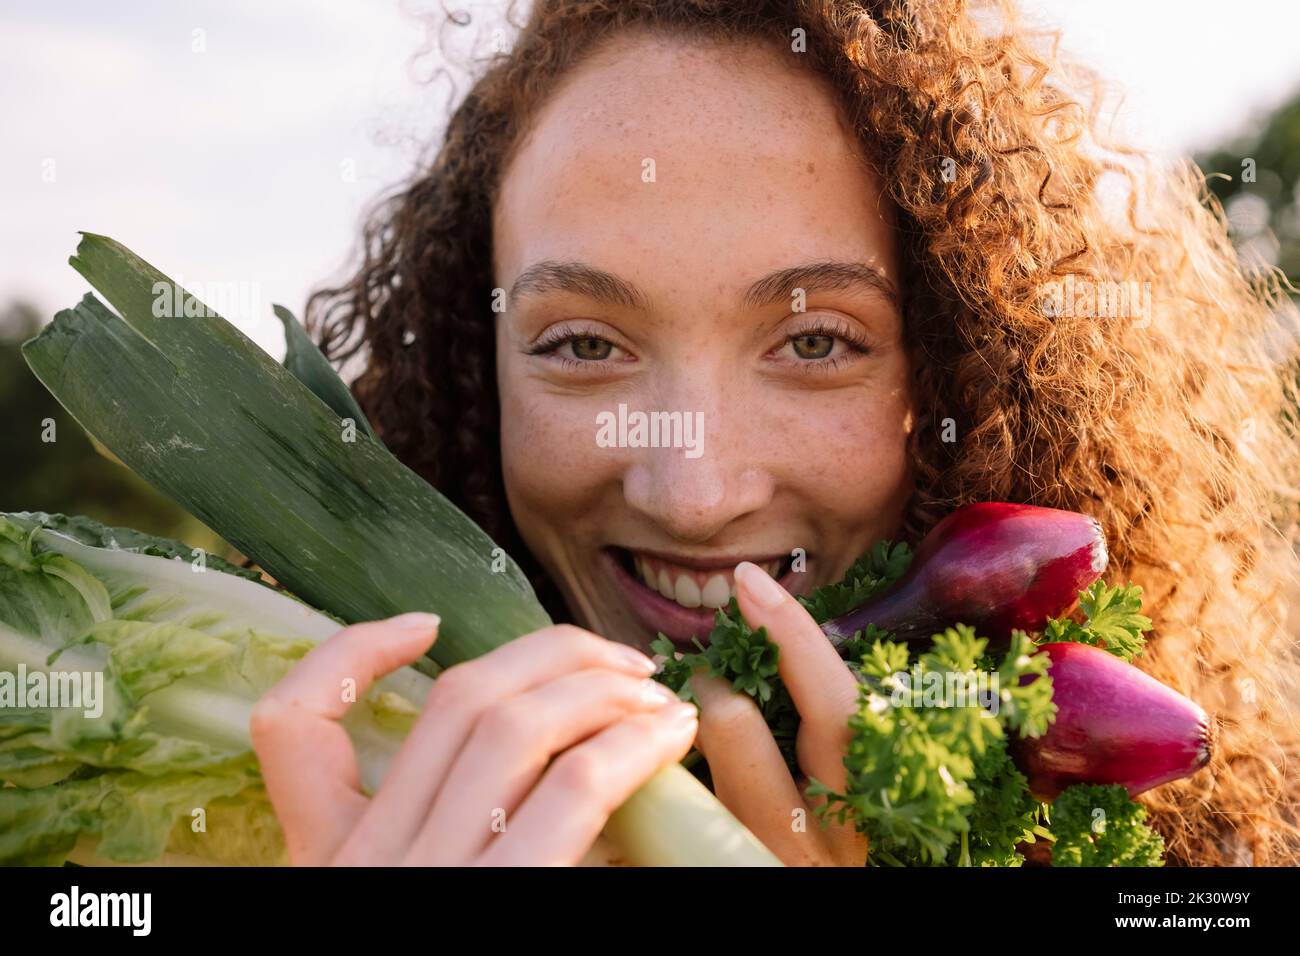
(694, 499)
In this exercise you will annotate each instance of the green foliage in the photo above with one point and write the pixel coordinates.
(913, 762)
(871, 575)
(748, 659)
(1102, 826)
(1026, 708)
(1112, 621)
(1002, 815)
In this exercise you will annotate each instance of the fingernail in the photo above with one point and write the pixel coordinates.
(686, 713)
(653, 692)
(417, 622)
(635, 659)
(765, 592)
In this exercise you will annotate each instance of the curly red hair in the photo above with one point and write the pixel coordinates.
(1173, 429)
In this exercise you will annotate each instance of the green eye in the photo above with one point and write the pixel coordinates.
(591, 349)
(812, 346)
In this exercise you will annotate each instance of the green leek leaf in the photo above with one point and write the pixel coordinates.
(309, 366)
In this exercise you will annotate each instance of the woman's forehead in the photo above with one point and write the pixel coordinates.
(646, 95)
(720, 149)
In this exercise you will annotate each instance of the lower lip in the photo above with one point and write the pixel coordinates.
(657, 613)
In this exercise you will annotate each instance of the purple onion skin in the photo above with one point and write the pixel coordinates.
(996, 566)
(1114, 724)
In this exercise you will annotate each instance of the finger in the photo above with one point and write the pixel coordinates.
(509, 750)
(749, 773)
(459, 695)
(823, 690)
(561, 818)
(306, 757)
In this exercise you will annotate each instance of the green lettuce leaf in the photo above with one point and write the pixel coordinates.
(158, 655)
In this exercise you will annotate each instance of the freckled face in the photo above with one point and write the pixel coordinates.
(654, 230)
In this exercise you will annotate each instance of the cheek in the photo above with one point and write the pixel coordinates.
(550, 462)
(851, 453)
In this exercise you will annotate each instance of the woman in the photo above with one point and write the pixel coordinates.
(877, 253)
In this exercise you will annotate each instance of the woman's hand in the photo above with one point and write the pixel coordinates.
(519, 756)
(749, 773)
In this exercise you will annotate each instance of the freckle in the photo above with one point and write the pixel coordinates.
(812, 168)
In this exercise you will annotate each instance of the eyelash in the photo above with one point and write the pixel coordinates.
(839, 329)
(550, 343)
(558, 336)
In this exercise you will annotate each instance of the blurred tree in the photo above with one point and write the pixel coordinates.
(1259, 186)
(1256, 176)
(50, 464)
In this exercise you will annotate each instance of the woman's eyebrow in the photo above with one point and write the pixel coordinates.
(827, 276)
(579, 279)
(582, 279)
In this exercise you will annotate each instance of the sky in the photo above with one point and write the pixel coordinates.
(236, 144)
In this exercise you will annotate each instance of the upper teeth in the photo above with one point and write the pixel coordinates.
(691, 588)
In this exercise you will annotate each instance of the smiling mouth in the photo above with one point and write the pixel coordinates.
(678, 599)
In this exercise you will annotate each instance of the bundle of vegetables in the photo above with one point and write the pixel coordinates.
(280, 462)
(984, 748)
